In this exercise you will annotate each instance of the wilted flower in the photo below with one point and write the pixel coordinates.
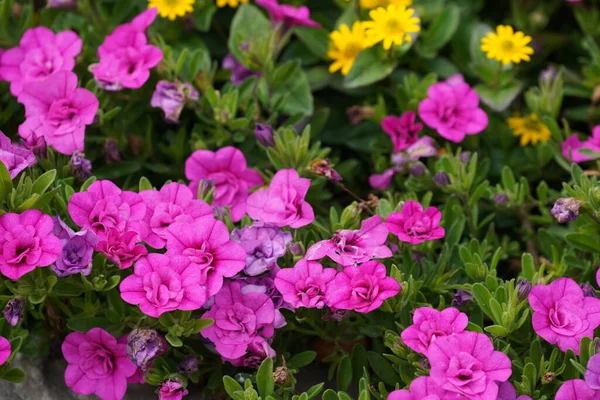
(323, 168)
(143, 346)
(111, 151)
(282, 374)
(13, 312)
(36, 143)
(263, 243)
(461, 298)
(15, 158)
(171, 389)
(171, 98)
(441, 178)
(188, 365)
(566, 209)
(264, 134)
(523, 289)
(81, 166)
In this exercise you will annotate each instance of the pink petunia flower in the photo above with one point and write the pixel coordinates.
(26, 242)
(162, 283)
(384, 180)
(429, 324)
(283, 202)
(123, 249)
(239, 319)
(206, 244)
(40, 54)
(171, 389)
(288, 15)
(172, 204)
(572, 145)
(58, 110)
(258, 350)
(413, 225)
(5, 350)
(576, 389)
(592, 372)
(562, 314)
(305, 285)
(228, 170)
(98, 364)
(354, 247)
(362, 289)
(106, 206)
(467, 364)
(403, 130)
(14, 158)
(452, 109)
(126, 57)
(423, 388)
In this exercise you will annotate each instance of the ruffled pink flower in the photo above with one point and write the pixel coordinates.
(354, 247)
(207, 246)
(239, 320)
(26, 242)
(174, 203)
(362, 289)
(305, 285)
(562, 314)
(171, 390)
(126, 57)
(98, 364)
(429, 324)
(4, 350)
(57, 110)
(288, 15)
(283, 203)
(123, 249)
(40, 54)
(403, 130)
(423, 388)
(162, 283)
(413, 225)
(14, 158)
(452, 109)
(576, 389)
(467, 364)
(571, 146)
(106, 206)
(258, 350)
(228, 170)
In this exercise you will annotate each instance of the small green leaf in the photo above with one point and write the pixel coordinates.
(14, 375)
(344, 373)
(264, 378)
(174, 340)
(382, 368)
(301, 359)
(367, 69)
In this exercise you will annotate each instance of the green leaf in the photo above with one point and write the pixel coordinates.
(359, 361)
(5, 181)
(440, 32)
(203, 17)
(498, 99)
(14, 375)
(264, 378)
(583, 242)
(145, 184)
(367, 69)
(249, 23)
(527, 266)
(301, 359)
(344, 373)
(231, 386)
(43, 182)
(173, 339)
(315, 390)
(330, 395)
(84, 324)
(315, 39)
(290, 83)
(496, 330)
(382, 368)
(203, 323)
(65, 289)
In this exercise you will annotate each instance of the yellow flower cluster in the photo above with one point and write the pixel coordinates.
(506, 46)
(178, 8)
(530, 129)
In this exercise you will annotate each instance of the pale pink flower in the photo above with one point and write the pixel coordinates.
(288, 15)
(40, 54)
(162, 283)
(403, 130)
(576, 389)
(283, 202)
(58, 110)
(352, 247)
(122, 248)
(423, 388)
(572, 145)
(429, 324)
(228, 170)
(415, 225)
(5, 350)
(305, 285)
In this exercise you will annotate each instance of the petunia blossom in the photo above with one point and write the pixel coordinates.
(423, 388)
(352, 247)
(288, 15)
(26, 242)
(403, 130)
(429, 324)
(305, 285)
(571, 146)
(14, 158)
(415, 225)
(283, 203)
(77, 251)
(40, 54)
(562, 314)
(592, 372)
(576, 389)
(121, 248)
(384, 180)
(228, 170)
(5, 350)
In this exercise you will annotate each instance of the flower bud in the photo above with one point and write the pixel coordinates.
(441, 178)
(13, 312)
(295, 248)
(461, 298)
(62, 3)
(566, 209)
(143, 346)
(588, 290)
(356, 114)
(80, 166)
(323, 168)
(500, 199)
(264, 134)
(523, 289)
(465, 156)
(417, 170)
(188, 365)
(206, 188)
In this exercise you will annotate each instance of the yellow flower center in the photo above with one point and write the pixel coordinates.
(507, 45)
(352, 49)
(532, 124)
(393, 26)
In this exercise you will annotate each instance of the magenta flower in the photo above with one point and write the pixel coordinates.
(506, 391)
(173, 203)
(162, 283)
(452, 109)
(126, 57)
(572, 145)
(403, 130)
(26, 242)
(106, 206)
(576, 389)
(57, 110)
(123, 249)
(15, 158)
(258, 350)
(429, 324)
(171, 389)
(467, 364)
(413, 225)
(305, 285)
(562, 314)
(239, 72)
(171, 98)
(288, 15)
(349, 247)
(592, 372)
(384, 180)
(228, 170)
(283, 202)
(239, 320)
(4, 350)
(423, 388)
(207, 246)
(40, 54)
(98, 364)
(362, 288)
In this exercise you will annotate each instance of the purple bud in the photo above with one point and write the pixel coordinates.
(188, 365)
(523, 289)
(501, 198)
(461, 298)
(205, 186)
(417, 170)
(441, 178)
(548, 75)
(239, 72)
(13, 312)
(323, 168)
(219, 212)
(111, 151)
(588, 290)
(335, 316)
(143, 346)
(295, 248)
(62, 3)
(465, 156)
(566, 209)
(80, 166)
(171, 389)
(264, 134)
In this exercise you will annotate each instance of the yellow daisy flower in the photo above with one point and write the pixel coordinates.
(172, 8)
(345, 45)
(391, 25)
(230, 3)
(530, 129)
(370, 4)
(506, 45)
